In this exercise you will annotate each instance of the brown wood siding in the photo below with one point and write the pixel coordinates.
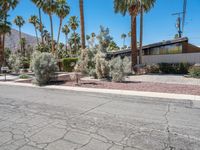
(192, 49)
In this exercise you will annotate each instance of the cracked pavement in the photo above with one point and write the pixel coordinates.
(44, 119)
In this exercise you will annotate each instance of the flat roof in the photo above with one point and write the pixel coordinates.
(159, 44)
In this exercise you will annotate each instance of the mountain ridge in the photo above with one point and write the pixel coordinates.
(12, 40)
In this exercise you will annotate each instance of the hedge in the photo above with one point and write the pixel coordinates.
(174, 68)
(69, 64)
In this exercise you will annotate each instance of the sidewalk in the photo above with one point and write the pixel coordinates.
(110, 91)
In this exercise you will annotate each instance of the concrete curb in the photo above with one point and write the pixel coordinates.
(109, 91)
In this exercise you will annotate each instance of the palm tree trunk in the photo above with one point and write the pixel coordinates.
(36, 36)
(66, 36)
(141, 34)
(20, 38)
(134, 49)
(58, 39)
(1, 51)
(74, 41)
(41, 28)
(82, 24)
(52, 41)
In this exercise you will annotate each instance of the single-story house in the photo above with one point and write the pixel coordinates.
(171, 51)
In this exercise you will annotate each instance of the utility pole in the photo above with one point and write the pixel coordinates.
(180, 22)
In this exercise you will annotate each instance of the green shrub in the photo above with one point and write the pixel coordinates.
(194, 71)
(44, 66)
(24, 76)
(69, 64)
(175, 68)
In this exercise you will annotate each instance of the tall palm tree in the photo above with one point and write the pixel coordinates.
(35, 21)
(123, 36)
(39, 4)
(133, 8)
(62, 10)
(141, 33)
(49, 7)
(81, 7)
(74, 23)
(5, 7)
(66, 31)
(19, 21)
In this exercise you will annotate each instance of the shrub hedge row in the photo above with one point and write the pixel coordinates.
(174, 68)
(69, 64)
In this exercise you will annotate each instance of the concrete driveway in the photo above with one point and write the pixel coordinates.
(44, 119)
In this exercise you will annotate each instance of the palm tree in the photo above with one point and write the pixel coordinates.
(141, 33)
(66, 31)
(73, 23)
(74, 39)
(81, 7)
(19, 21)
(133, 7)
(62, 10)
(49, 7)
(123, 36)
(35, 21)
(5, 6)
(39, 4)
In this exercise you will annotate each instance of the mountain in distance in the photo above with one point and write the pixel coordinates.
(12, 40)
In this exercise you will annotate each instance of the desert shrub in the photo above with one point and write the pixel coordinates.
(127, 65)
(24, 76)
(69, 64)
(154, 68)
(44, 66)
(14, 63)
(82, 64)
(102, 66)
(175, 68)
(194, 71)
(116, 69)
(25, 63)
(92, 73)
(33, 57)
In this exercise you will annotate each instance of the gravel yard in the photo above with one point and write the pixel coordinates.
(141, 86)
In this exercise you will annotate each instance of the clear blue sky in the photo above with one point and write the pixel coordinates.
(159, 24)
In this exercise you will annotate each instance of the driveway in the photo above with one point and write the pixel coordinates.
(169, 79)
(44, 119)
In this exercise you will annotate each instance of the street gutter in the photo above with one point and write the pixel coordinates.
(110, 91)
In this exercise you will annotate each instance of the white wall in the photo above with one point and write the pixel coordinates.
(172, 58)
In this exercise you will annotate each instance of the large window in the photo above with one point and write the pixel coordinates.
(163, 50)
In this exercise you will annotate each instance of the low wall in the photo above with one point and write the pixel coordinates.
(191, 58)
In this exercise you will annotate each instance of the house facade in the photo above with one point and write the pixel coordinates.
(172, 51)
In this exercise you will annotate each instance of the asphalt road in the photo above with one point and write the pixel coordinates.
(41, 119)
